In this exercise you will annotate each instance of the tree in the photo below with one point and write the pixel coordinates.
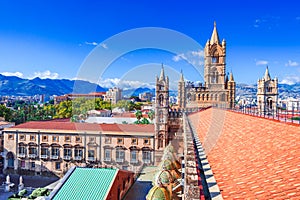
(151, 115)
(138, 115)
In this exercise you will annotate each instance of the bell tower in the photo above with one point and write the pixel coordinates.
(215, 62)
(181, 101)
(267, 94)
(161, 110)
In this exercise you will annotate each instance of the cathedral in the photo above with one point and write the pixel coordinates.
(218, 89)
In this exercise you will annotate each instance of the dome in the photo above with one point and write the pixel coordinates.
(158, 193)
(164, 177)
(167, 165)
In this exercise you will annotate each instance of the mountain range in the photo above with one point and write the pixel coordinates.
(15, 86)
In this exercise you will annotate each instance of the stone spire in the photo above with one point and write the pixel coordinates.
(231, 77)
(215, 37)
(162, 73)
(181, 77)
(267, 75)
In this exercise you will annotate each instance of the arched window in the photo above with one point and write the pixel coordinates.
(207, 97)
(161, 100)
(199, 97)
(10, 160)
(161, 140)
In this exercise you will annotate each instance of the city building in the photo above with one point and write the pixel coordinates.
(146, 96)
(113, 94)
(43, 146)
(218, 89)
(267, 94)
(58, 99)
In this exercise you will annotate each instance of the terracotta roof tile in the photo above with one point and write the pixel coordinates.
(251, 157)
(55, 125)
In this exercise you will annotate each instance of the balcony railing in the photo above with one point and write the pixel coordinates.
(44, 156)
(119, 160)
(91, 158)
(21, 155)
(67, 157)
(147, 161)
(134, 161)
(78, 158)
(54, 157)
(32, 156)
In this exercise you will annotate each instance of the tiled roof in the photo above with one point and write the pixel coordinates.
(55, 125)
(87, 183)
(251, 157)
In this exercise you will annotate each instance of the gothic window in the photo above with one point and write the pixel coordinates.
(161, 116)
(223, 97)
(160, 141)
(203, 97)
(199, 96)
(207, 97)
(189, 97)
(161, 100)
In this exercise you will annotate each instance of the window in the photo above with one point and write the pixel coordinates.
(67, 139)
(78, 139)
(32, 151)
(92, 139)
(68, 152)
(133, 156)
(78, 154)
(120, 141)
(22, 137)
(147, 141)
(32, 137)
(32, 164)
(45, 138)
(55, 138)
(10, 137)
(44, 152)
(55, 152)
(91, 155)
(22, 151)
(57, 165)
(107, 154)
(107, 140)
(146, 156)
(120, 155)
(134, 141)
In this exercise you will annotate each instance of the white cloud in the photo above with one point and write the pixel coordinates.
(45, 74)
(290, 80)
(179, 57)
(193, 57)
(124, 84)
(104, 45)
(261, 62)
(292, 64)
(91, 43)
(18, 74)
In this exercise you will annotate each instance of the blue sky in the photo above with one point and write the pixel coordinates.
(54, 38)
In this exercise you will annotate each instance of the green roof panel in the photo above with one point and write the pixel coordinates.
(87, 183)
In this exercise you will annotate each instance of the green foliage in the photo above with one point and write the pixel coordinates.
(138, 115)
(151, 115)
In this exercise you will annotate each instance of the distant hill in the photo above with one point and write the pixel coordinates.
(249, 90)
(11, 85)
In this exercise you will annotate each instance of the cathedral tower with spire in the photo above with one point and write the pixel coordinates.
(217, 90)
(267, 94)
(161, 110)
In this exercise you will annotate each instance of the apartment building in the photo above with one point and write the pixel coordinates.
(57, 146)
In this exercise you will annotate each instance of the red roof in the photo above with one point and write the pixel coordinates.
(56, 125)
(251, 157)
